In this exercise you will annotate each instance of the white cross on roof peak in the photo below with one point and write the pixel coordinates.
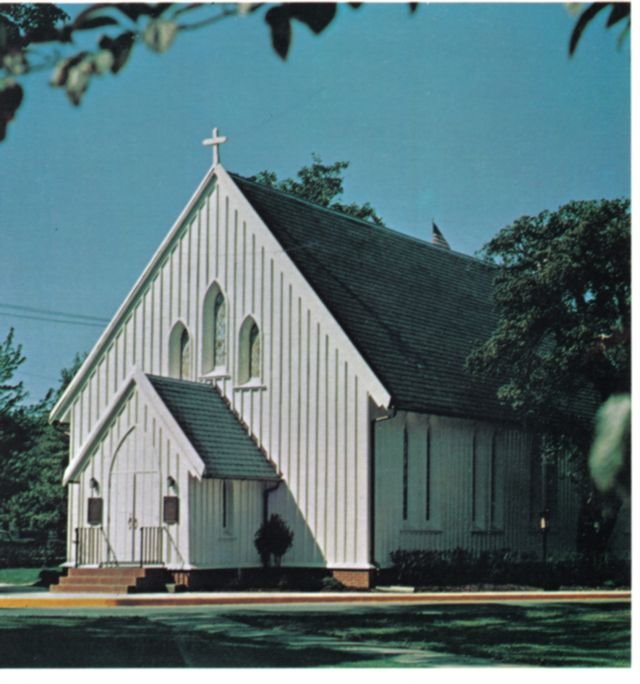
(215, 140)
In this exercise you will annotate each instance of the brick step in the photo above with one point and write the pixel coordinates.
(98, 579)
(91, 588)
(126, 571)
(114, 580)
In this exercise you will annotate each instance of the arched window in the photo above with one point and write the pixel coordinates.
(250, 355)
(180, 353)
(214, 331)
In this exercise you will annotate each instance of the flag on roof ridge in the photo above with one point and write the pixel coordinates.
(437, 238)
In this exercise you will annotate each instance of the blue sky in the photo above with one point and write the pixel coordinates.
(470, 114)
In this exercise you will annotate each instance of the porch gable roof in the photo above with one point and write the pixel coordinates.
(215, 431)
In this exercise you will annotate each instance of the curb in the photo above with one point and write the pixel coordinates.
(155, 601)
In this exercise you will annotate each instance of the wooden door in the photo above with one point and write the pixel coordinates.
(134, 504)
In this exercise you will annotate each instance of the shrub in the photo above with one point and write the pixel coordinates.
(274, 538)
(459, 567)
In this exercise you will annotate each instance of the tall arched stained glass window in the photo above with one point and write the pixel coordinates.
(254, 352)
(180, 353)
(219, 331)
(249, 352)
(214, 331)
(185, 356)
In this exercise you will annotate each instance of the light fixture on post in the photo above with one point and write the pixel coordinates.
(544, 522)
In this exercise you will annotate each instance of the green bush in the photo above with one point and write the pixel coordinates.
(274, 538)
(458, 567)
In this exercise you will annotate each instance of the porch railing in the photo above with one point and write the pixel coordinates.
(89, 545)
(151, 546)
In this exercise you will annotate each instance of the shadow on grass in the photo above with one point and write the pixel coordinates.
(383, 636)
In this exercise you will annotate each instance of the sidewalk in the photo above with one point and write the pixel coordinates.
(41, 598)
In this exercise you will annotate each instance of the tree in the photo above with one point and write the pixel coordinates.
(620, 12)
(562, 343)
(33, 455)
(320, 183)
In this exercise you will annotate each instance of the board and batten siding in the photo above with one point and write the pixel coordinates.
(446, 483)
(134, 442)
(308, 409)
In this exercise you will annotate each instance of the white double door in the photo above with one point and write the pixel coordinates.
(134, 503)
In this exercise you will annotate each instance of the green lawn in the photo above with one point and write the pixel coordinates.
(19, 575)
(535, 634)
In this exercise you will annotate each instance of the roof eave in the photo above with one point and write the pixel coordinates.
(60, 410)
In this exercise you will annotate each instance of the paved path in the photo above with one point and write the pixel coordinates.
(44, 599)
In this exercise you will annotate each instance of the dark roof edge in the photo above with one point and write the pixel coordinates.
(391, 232)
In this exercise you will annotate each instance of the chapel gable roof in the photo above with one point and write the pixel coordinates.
(413, 310)
(215, 432)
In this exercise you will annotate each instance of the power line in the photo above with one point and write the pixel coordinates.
(50, 312)
(52, 320)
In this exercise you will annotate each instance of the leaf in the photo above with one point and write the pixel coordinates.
(95, 22)
(413, 6)
(582, 23)
(61, 71)
(159, 34)
(135, 10)
(11, 95)
(619, 11)
(279, 21)
(317, 16)
(120, 47)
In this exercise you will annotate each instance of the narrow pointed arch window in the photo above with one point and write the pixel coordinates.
(250, 356)
(180, 353)
(219, 331)
(214, 331)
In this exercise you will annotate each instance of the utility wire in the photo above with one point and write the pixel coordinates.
(52, 320)
(50, 312)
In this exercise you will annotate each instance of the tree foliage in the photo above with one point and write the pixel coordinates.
(562, 343)
(321, 184)
(36, 37)
(619, 12)
(33, 455)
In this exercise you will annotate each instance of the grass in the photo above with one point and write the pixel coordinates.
(22, 576)
(557, 635)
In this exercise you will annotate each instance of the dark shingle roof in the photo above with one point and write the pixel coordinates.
(413, 310)
(213, 430)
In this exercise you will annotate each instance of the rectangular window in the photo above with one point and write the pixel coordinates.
(94, 510)
(474, 480)
(405, 474)
(427, 475)
(492, 483)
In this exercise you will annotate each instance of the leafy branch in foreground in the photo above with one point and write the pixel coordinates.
(25, 28)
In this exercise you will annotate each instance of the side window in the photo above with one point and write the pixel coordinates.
(227, 506)
(250, 353)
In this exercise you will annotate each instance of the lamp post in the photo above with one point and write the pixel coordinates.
(544, 529)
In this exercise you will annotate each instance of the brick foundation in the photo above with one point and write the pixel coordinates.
(354, 579)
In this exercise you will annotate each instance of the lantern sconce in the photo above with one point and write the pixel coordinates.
(93, 484)
(544, 528)
(171, 483)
